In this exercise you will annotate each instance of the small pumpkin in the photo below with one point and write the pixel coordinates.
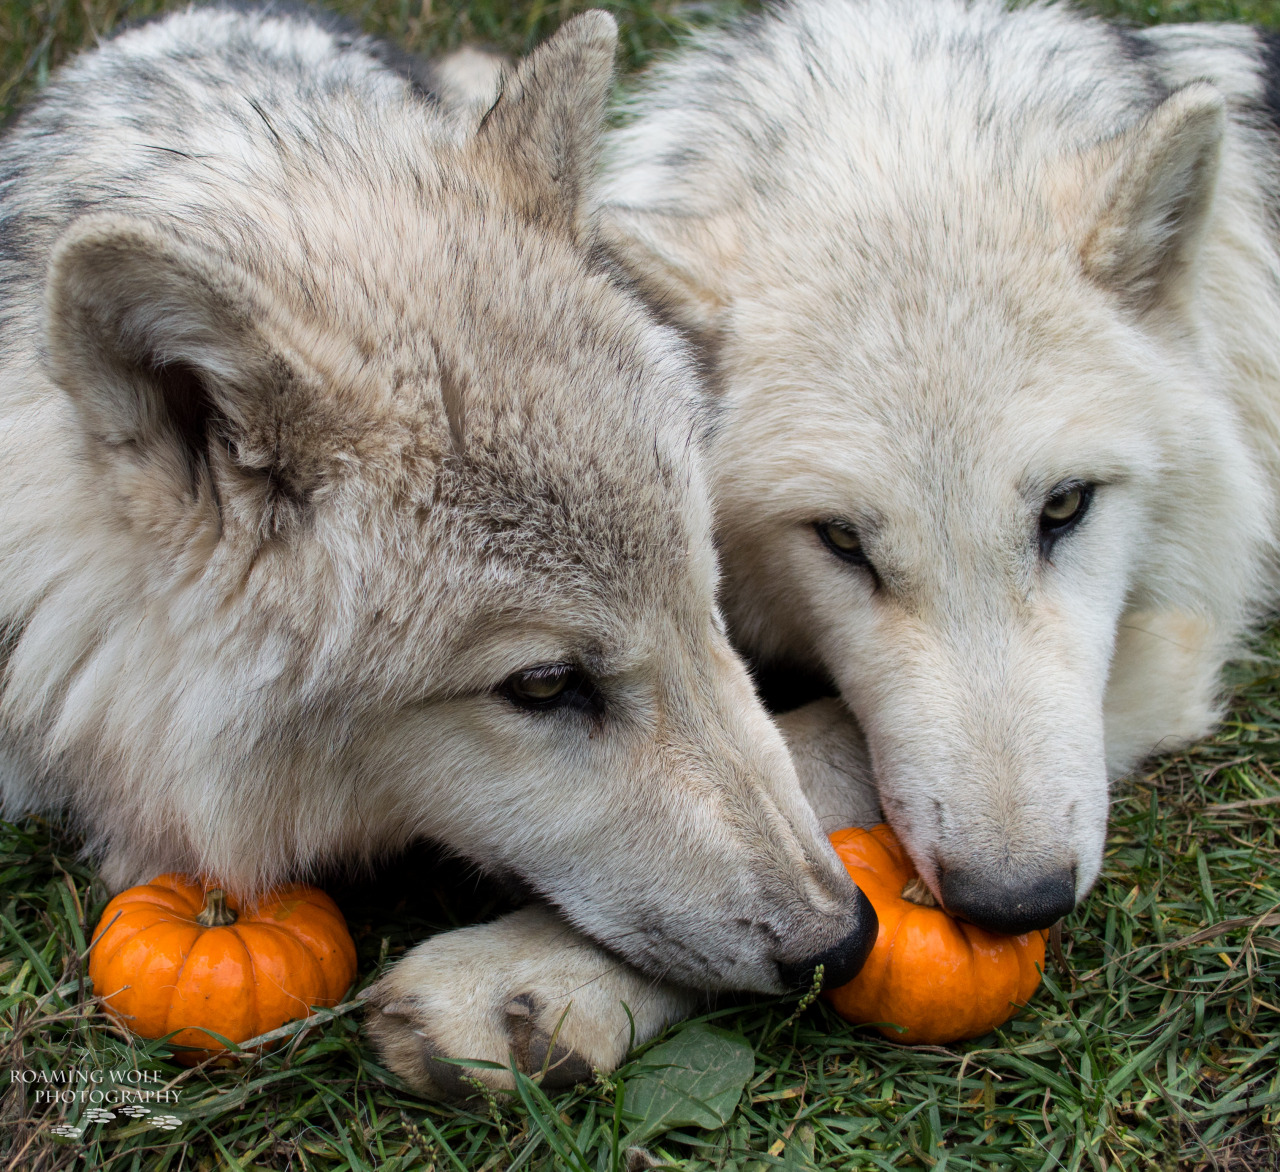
(174, 954)
(939, 978)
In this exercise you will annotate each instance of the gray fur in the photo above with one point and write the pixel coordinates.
(318, 422)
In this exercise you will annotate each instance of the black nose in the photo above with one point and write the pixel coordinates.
(843, 960)
(1009, 906)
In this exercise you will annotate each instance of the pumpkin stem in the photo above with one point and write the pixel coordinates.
(917, 891)
(215, 913)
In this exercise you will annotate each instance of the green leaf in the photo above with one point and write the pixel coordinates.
(694, 1080)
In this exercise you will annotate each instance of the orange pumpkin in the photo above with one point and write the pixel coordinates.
(940, 978)
(174, 955)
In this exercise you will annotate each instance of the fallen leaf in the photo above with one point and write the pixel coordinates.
(694, 1080)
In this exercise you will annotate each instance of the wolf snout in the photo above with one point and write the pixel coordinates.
(842, 960)
(1009, 904)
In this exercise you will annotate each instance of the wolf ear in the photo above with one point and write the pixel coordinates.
(541, 136)
(157, 345)
(679, 262)
(1158, 193)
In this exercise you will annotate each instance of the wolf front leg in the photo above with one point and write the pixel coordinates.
(830, 755)
(527, 988)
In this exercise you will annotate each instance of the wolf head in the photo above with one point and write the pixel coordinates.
(974, 463)
(397, 530)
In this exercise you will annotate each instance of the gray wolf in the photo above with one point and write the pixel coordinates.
(348, 498)
(990, 301)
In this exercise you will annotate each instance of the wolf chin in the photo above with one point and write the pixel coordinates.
(348, 497)
(990, 300)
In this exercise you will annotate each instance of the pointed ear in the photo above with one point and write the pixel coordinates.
(1159, 189)
(157, 345)
(680, 263)
(541, 136)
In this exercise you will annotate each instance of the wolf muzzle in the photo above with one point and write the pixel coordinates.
(843, 960)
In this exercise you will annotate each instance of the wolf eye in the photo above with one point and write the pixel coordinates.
(843, 541)
(1063, 511)
(552, 685)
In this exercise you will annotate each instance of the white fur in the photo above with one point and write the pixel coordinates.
(947, 257)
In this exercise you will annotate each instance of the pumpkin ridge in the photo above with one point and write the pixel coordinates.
(891, 847)
(920, 922)
(886, 863)
(189, 891)
(974, 1008)
(186, 956)
(208, 939)
(126, 938)
(333, 918)
(299, 947)
(114, 938)
(126, 915)
(252, 990)
(887, 974)
(324, 934)
(162, 898)
(298, 929)
(315, 900)
(124, 1000)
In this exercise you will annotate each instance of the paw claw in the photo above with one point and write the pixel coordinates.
(411, 1052)
(563, 1069)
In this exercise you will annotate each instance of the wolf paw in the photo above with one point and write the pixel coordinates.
(417, 1036)
(526, 989)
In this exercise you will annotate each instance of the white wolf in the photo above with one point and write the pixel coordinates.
(992, 299)
(346, 498)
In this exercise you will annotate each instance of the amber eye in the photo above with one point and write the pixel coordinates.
(1063, 508)
(842, 540)
(539, 685)
(845, 540)
(1063, 511)
(552, 685)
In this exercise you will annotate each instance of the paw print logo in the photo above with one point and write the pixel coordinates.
(68, 1131)
(168, 1122)
(99, 1115)
(135, 1110)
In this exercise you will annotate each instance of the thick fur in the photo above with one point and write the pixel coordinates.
(944, 257)
(948, 257)
(320, 422)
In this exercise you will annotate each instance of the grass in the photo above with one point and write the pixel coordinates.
(36, 35)
(1153, 1044)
